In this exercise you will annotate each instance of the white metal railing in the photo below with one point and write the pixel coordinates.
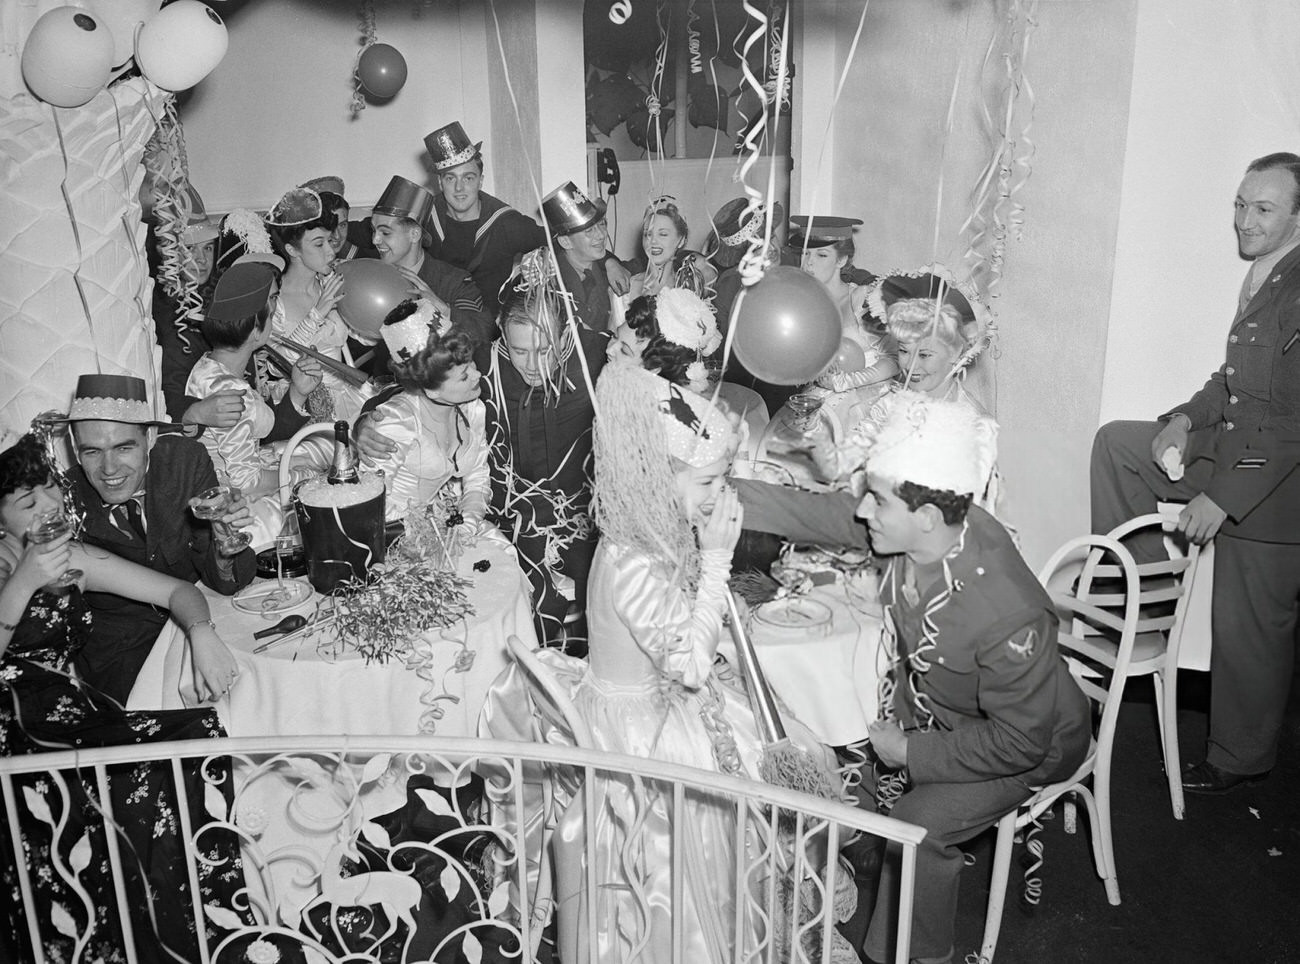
(397, 831)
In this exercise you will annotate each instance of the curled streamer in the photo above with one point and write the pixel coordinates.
(996, 212)
(1033, 861)
(366, 24)
(166, 163)
(620, 11)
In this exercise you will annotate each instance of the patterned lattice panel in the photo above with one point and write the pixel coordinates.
(70, 230)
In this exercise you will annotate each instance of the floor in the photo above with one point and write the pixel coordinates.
(1223, 884)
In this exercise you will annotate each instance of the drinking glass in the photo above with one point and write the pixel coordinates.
(803, 411)
(210, 505)
(45, 528)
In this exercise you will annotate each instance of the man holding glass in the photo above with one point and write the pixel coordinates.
(134, 487)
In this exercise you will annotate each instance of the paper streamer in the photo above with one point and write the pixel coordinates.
(366, 24)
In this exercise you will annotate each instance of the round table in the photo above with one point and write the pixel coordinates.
(310, 685)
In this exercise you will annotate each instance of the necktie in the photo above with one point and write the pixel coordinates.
(130, 520)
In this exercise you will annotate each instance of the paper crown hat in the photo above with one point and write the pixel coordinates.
(819, 231)
(327, 182)
(410, 336)
(298, 205)
(112, 398)
(935, 282)
(243, 288)
(405, 199)
(934, 443)
(450, 146)
(696, 430)
(567, 209)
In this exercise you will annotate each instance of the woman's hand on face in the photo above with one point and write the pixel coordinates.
(331, 292)
(215, 669)
(305, 375)
(42, 564)
(722, 528)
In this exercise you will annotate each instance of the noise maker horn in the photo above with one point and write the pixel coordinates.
(764, 704)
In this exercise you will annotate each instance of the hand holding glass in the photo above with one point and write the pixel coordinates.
(211, 505)
(45, 528)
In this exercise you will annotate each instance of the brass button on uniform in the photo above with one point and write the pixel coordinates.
(1232, 399)
(1232, 338)
(1228, 426)
(1230, 370)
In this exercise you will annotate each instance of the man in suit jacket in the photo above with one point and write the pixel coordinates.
(135, 496)
(1231, 453)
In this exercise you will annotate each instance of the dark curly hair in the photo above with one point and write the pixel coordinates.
(641, 317)
(428, 368)
(282, 237)
(953, 506)
(24, 466)
(667, 360)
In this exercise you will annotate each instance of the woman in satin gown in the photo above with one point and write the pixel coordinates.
(650, 686)
(44, 707)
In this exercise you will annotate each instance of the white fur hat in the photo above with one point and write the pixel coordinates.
(938, 444)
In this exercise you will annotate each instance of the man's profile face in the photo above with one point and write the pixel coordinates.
(1265, 219)
(893, 526)
(530, 347)
(339, 236)
(460, 186)
(114, 456)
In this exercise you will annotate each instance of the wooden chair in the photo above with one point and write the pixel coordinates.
(1164, 601)
(1098, 643)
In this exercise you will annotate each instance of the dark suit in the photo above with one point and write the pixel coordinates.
(1242, 452)
(177, 545)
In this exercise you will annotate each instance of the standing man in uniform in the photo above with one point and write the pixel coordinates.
(1230, 452)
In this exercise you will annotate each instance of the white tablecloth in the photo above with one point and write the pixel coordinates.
(306, 686)
(827, 681)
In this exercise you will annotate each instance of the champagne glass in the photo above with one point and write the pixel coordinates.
(210, 505)
(803, 411)
(45, 528)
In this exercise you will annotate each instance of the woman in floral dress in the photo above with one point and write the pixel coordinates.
(43, 707)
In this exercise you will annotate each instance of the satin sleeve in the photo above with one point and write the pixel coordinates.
(679, 634)
(475, 472)
(235, 451)
(400, 419)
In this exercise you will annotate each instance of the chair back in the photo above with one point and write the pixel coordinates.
(1097, 640)
(1162, 582)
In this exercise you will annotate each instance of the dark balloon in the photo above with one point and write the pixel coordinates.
(381, 70)
(788, 329)
(371, 289)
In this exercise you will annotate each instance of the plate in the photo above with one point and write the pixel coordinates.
(269, 598)
(796, 614)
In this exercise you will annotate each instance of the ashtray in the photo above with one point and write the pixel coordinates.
(295, 563)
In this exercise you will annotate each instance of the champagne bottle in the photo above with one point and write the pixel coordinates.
(343, 467)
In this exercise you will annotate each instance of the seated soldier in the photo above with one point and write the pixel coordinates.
(983, 706)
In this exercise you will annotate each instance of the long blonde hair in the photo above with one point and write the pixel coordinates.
(636, 492)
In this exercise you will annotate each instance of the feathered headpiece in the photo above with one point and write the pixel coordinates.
(935, 282)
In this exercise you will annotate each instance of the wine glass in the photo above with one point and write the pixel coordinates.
(45, 528)
(211, 504)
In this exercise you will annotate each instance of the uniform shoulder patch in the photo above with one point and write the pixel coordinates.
(1022, 645)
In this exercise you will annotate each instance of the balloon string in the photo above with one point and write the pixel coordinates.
(830, 119)
(571, 321)
(76, 237)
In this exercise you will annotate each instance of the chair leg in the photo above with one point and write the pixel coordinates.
(1166, 687)
(1101, 790)
(998, 885)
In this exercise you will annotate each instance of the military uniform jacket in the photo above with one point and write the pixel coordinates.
(500, 235)
(1003, 700)
(1246, 418)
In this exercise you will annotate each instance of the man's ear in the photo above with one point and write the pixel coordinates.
(929, 517)
(565, 242)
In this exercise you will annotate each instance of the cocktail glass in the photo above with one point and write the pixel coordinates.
(210, 505)
(45, 528)
(803, 411)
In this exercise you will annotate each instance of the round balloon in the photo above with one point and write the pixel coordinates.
(850, 356)
(371, 289)
(788, 329)
(181, 45)
(68, 57)
(122, 17)
(381, 70)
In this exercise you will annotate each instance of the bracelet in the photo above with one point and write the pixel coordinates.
(200, 622)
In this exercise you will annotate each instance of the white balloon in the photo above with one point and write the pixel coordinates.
(181, 45)
(122, 17)
(67, 57)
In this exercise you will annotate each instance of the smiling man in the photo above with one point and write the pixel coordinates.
(135, 492)
(1231, 453)
(983, 706)
(472, 229)
(582, 249)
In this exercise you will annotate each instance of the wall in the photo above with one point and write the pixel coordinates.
(1178, 272)
(898, 167)
(275, 111)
